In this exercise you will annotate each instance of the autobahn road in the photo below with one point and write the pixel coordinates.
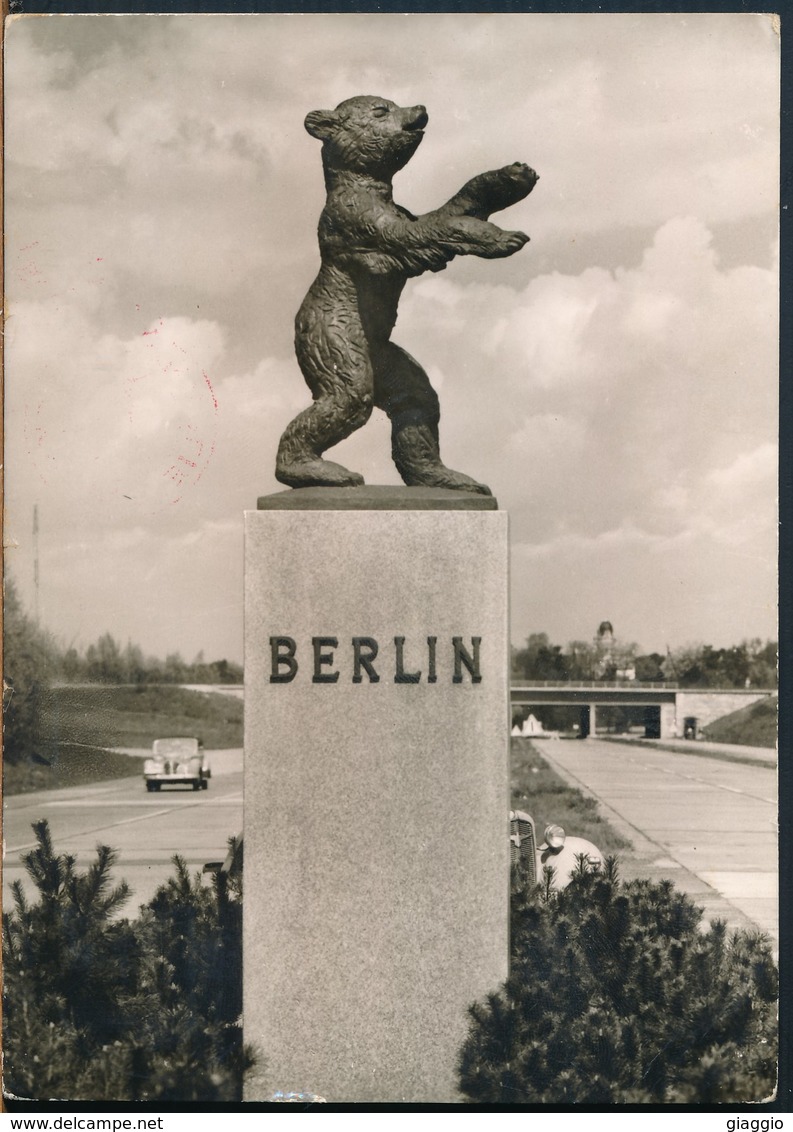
(146, 829)
(709, 825)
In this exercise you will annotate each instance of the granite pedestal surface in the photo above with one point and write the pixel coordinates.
(376, 788)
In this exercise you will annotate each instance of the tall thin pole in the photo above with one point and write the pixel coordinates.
(36, 610)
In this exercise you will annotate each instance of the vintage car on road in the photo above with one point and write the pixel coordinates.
(180, 762)
(560, 852)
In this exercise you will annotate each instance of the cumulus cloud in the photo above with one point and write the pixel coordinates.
(162, 197)
(655, 374)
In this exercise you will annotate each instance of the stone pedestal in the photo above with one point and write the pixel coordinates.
(376, 788)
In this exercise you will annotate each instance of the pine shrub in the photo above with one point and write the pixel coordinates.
(190, 1002)
(617, 995)
(101, 1008)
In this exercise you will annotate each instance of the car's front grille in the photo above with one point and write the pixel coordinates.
(522, 842)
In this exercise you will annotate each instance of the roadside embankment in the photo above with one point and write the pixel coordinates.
(91, 733)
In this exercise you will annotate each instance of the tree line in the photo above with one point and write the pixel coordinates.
(33, 661)
(753, 663)
(108, 662)
(31, 648)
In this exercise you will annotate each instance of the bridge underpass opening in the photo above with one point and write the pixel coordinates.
(652, 722)
(606, 715)
(587, 721)
(661, 710)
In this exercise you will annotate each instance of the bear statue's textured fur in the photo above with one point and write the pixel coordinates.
(370, 246)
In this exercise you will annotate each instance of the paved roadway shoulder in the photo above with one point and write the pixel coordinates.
(729, 752)
(710, 826)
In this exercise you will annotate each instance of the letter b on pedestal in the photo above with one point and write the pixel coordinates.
(376, 795)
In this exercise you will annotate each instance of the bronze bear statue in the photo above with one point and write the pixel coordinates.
(370, 246)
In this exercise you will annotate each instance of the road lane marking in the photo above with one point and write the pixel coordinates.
(227, 800)
(737, 884)
(115, 824)
(695, 778)
(99, 829)
(125, 861)
(16, 803)
(666, 849)
(34, 799)
(710, 878)
(718, 785)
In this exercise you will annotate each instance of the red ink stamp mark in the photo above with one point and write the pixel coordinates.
(211, 390)
(35, 434)
(176, 386)
(26, 268)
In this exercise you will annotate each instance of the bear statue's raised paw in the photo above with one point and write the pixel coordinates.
(513, 241)
(514, 182)
(507, 244)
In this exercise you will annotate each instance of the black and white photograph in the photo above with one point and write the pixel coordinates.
(390, 560)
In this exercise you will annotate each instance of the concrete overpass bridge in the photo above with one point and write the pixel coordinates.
(668, 709)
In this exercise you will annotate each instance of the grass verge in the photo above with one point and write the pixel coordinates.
(79, 726)
(539, 790)
(72, 765)
(755, 725)
(134, 716)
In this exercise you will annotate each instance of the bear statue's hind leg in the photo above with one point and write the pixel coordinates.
(299, 464)
(340, 378)
(403, 391)
(415, 453)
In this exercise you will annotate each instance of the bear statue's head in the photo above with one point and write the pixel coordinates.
(368, 134)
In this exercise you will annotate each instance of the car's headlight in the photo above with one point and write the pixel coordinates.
(554, 837)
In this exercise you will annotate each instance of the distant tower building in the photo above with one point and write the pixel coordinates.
(605, 635)
(604, 649)
(610, 660)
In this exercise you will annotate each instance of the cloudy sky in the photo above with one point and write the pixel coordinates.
(615, 382)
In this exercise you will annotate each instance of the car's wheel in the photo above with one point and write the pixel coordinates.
(205, 785)
(150, 787)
